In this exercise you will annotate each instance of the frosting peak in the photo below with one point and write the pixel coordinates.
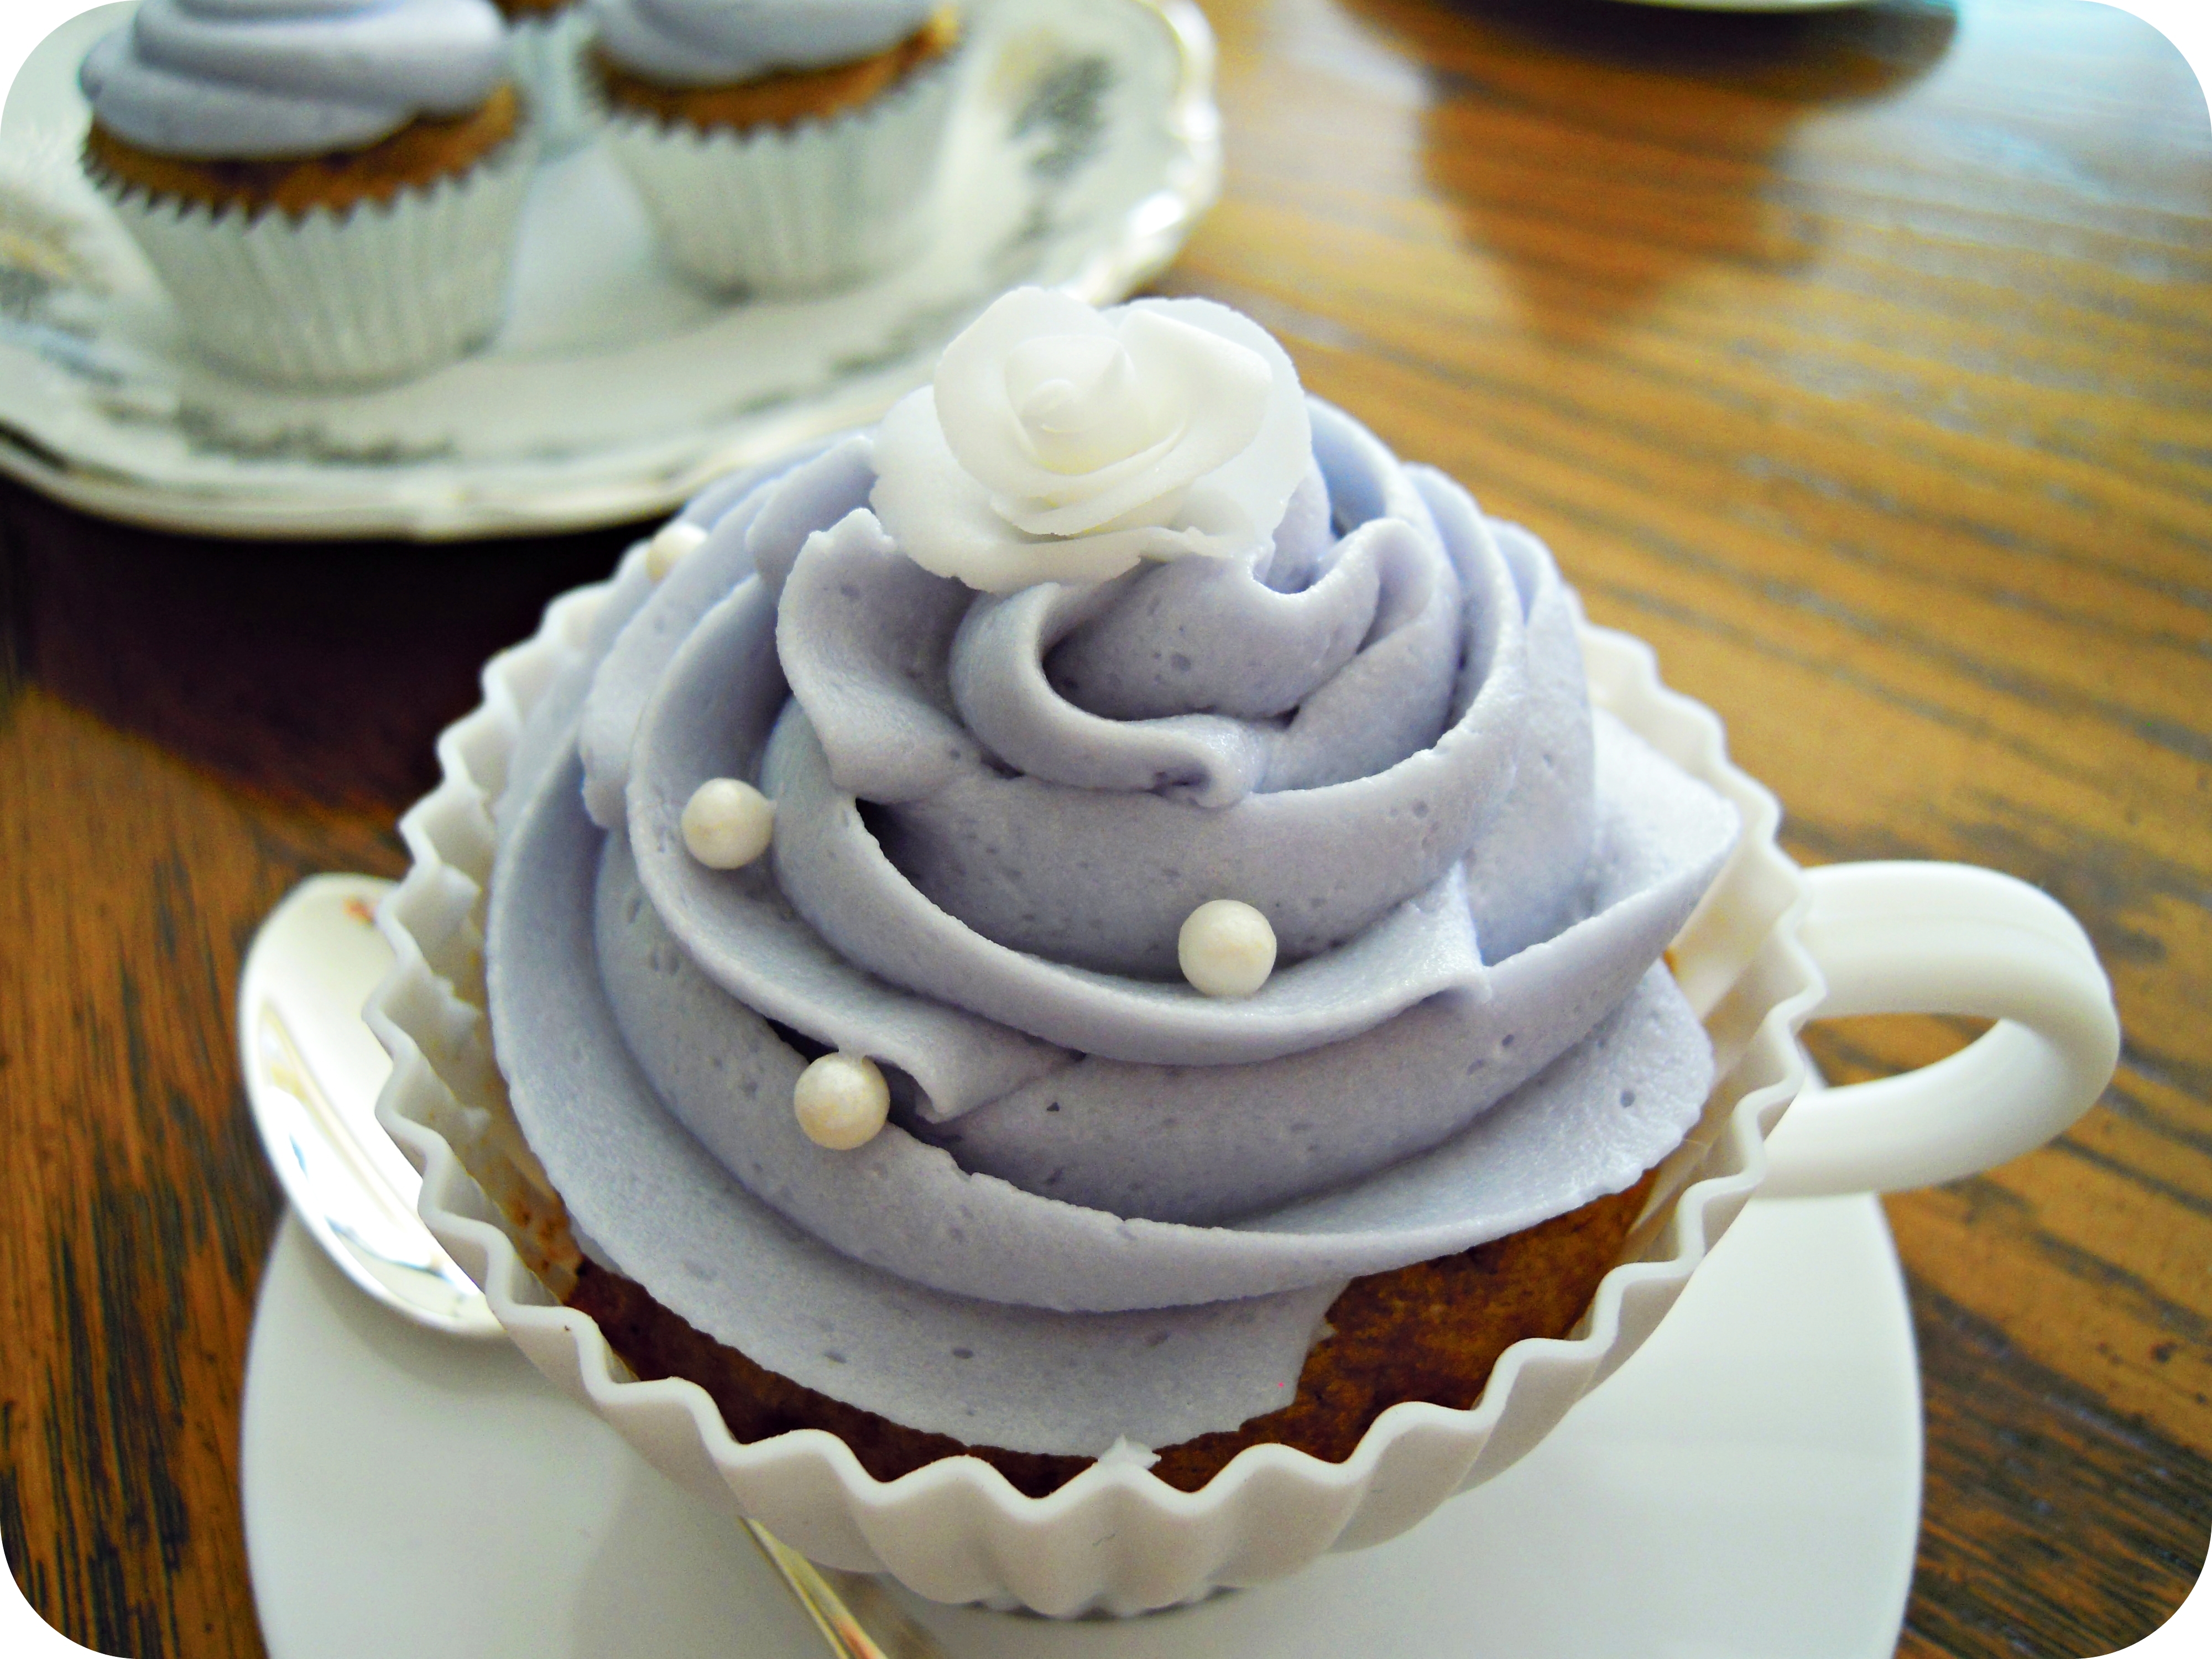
(249, 80)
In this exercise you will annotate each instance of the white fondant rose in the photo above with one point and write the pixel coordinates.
(1059, 443)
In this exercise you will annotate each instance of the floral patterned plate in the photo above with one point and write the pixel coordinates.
(1085, 147)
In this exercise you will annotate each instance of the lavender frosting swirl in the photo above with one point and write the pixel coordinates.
(992, 812)
(262, 79)
(707, 43)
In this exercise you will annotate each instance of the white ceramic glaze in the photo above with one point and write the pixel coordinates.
(1084, 146)
(1906, 937)
(1748, 1484)
(1115, 1539)
(546, 52)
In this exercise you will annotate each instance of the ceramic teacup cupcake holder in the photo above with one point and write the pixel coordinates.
(1772, 947)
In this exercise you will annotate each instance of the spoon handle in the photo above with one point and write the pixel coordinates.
(312, 1074)
(888, 1633)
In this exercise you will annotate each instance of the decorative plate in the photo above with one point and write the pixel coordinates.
(1085, 146)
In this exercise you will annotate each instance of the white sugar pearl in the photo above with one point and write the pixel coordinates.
(842, 1101)
(727, 823)
(1226, 948)
(671, 545)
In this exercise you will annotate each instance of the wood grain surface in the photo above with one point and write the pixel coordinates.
(1861, 361)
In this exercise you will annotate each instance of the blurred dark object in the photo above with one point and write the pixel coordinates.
(318, 671)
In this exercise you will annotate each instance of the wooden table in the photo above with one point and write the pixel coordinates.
(1861, 361)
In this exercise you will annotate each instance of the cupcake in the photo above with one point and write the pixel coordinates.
(328, 188)
(545, 41)
(1091, 930)
(781, 147)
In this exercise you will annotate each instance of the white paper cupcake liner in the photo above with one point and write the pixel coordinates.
(546, 54)
(773, 211)
(1115, 1540)
(382, 292)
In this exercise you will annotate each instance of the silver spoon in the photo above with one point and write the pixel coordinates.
(312, 1072)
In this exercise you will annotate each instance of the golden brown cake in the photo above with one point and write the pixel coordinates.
(415, 157)
(1430, 1332)
(781, 98)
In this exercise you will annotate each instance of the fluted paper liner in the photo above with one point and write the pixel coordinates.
(772, 210)
(380, 292)
(1116, 1538)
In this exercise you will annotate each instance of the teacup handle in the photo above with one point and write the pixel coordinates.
(1946, 939)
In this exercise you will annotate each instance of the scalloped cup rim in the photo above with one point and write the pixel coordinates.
(1725, 957)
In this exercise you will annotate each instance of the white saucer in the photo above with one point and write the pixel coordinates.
(1748, 1484)
(1084, 146)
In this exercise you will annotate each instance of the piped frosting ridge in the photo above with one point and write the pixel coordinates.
(707, 43)
(1349, 701)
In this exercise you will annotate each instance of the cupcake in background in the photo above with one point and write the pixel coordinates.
(545, 41)
(781, 146)
(330, 189)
